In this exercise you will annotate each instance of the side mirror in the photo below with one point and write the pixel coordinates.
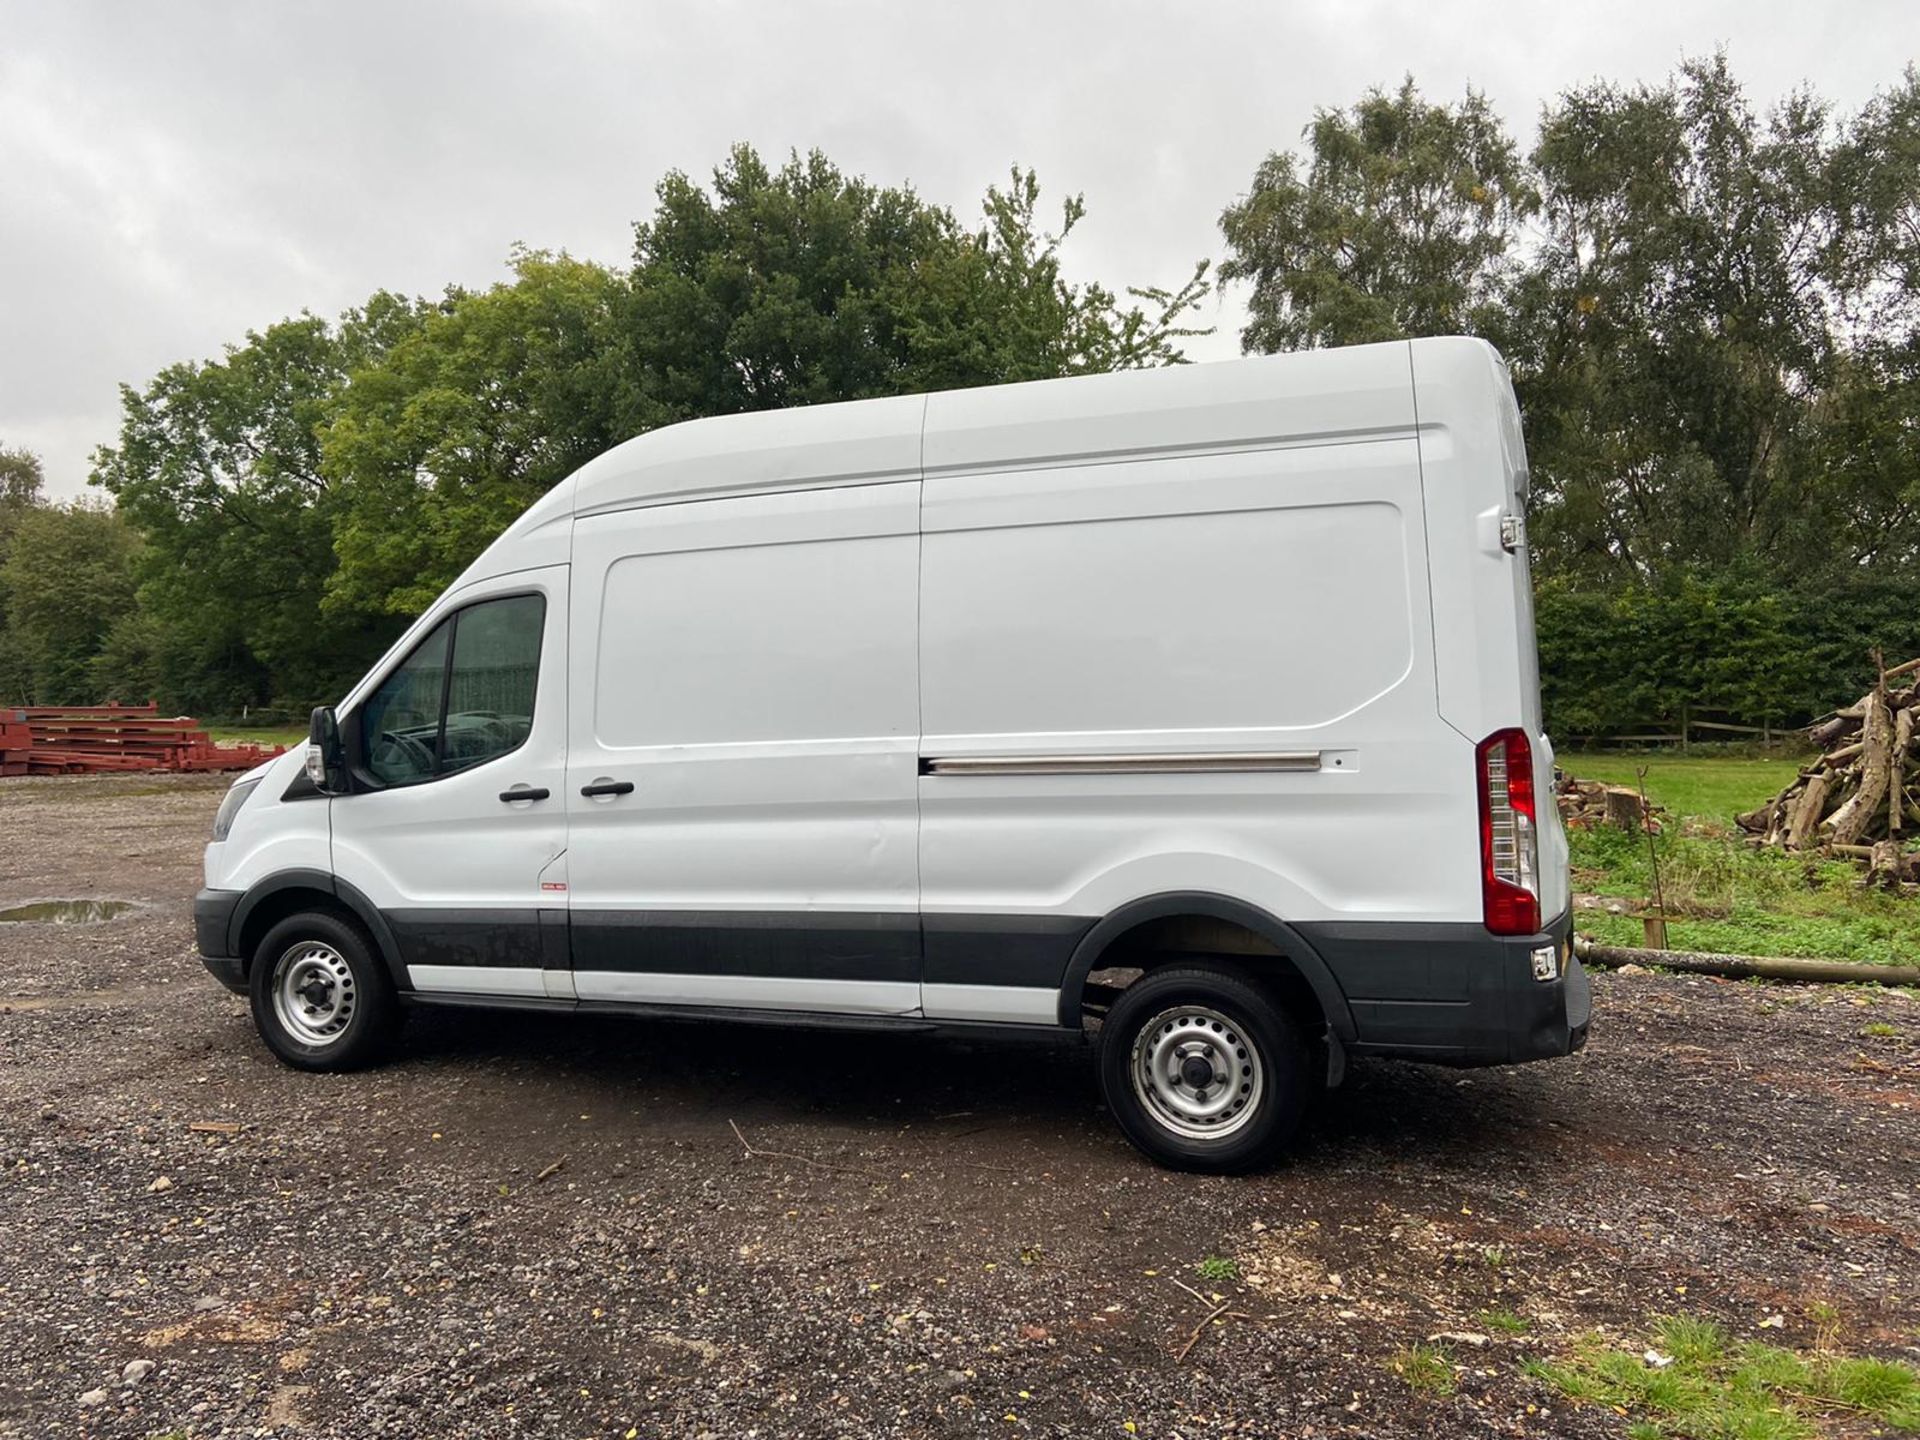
(326, 756)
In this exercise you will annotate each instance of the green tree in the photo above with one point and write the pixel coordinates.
(994, 306)
(804, 284)
(21, 479)
(219, 466)
(1676, 323)
(462, 424)
(68, 578)
(1399, 223)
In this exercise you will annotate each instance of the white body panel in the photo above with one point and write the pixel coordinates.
(267, 840)
(1245, 601)
(749, 666)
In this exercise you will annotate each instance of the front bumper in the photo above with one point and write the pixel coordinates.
(213, 934)
(1456, 994)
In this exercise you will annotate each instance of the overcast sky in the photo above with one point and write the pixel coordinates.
(173, 175)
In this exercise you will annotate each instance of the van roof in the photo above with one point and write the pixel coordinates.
(1306, 396)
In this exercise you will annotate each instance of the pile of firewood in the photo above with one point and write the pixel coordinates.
(1591, 805)
(1861, 798)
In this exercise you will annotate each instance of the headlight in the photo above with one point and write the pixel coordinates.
(230, 807)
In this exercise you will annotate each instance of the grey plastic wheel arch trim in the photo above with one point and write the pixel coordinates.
(363, 909)
(1291, 944)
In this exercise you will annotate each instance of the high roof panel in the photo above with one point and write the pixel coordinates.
(1366, 389)
(1318, 394)
(861, 441)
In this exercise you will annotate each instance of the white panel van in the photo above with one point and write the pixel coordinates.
(1193, 712)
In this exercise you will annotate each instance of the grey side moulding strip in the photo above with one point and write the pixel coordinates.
(1199, 763)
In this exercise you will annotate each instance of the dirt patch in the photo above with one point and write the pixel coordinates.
(915, 1239)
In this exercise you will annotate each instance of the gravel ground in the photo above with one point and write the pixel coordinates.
(539, 1226)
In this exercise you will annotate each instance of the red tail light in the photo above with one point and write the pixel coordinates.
(1509, 837)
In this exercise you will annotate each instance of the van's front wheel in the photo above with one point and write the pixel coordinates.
(1203, 1070)
(320, 998)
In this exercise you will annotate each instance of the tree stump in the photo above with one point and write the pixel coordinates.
(1624, 810)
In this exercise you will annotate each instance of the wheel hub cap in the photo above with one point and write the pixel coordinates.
(1197, 1073)
(313, 993)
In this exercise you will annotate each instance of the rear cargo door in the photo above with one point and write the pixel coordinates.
(1474, 479)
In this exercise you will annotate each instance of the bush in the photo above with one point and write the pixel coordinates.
(1724, 646)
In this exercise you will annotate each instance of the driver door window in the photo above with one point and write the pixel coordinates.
(464, 696)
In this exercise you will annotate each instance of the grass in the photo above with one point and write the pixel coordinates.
(1502, 1322)
(288, 735)
(1425, 1367)
(1708, 786)
(1728, 896)
(1716, 1389)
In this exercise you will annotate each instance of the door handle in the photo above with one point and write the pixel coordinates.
(525, 792)
(608, 787)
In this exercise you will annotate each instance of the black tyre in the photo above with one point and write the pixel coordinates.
(321, 998)
(1203, 1070)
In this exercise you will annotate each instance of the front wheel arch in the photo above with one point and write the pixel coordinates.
(272, 898)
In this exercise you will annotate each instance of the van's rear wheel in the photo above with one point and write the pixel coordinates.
(321, 999)
(1203, 1070)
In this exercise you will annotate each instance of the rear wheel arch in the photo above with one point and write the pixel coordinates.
(1289, 958)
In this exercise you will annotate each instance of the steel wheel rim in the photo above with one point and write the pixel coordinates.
(1171, 1054)
(314, 995)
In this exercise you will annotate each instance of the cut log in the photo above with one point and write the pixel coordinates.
(1748, 967)
(1886, 866)
(1896, 784)
(1827, 731)
(1851, 820)
(1807, 812)
(1864, 788)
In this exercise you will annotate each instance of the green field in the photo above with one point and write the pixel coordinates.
(1724, 895)
(277, 735)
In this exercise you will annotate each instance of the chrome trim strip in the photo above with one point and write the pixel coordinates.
(1198, 763)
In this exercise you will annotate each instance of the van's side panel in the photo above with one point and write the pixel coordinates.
(748, 665)
(1265, 595)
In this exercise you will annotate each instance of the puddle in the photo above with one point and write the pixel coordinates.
(66, 912)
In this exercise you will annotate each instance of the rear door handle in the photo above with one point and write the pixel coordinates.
(608, 787)
(525, 792)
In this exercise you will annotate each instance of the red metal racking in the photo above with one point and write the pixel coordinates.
(81, 739)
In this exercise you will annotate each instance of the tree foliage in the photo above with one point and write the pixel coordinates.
(462, 423)
(220, 467)
(66, 581)
(803, 284)
(1398, 223)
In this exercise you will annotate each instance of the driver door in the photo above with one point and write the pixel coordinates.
(456, 828)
